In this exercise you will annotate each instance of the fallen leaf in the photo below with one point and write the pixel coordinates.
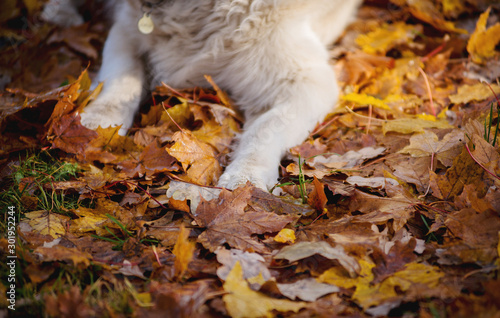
(479, 92)
(128, 269)
(303, 250)
(463, 171)
(413, 125)
(444, 150)
(198, 159)
(483, 41)
(182, 191)
(285, 236)
(307, 289)
(241, 301)
(45, 222)
(374, 182)
(60, 253)
(183, 251)
(426, 11)
(226, 221)
(387, 37)
(252, 264)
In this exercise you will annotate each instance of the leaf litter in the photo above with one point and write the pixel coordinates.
(391, 207)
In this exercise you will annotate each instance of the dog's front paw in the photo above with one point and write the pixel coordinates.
(238, 175)
(104, 115)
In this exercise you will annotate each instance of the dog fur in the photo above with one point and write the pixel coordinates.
(270, 55)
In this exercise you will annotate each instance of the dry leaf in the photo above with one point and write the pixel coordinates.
(183, 251)
(241, 301)
(444, 150)
(303, 250)
(227, 222)
(482, 43)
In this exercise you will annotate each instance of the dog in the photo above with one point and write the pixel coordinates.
(270, 55)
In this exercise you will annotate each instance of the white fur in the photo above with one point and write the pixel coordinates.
(270, 55)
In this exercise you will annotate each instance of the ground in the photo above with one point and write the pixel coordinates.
(390, 208)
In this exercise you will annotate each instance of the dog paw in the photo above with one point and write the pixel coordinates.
(260, 177)
(106, 116)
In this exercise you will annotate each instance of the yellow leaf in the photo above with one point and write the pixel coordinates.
(414, 273)
(483, 41)
(47, 223)
(427, 11)
(452, 7)
(285, 236)
(90, 221)
(478, 92)
(363, 99)
(386, 37)
(413, 125)
(340, 278)
(198, 159)
(241, 301)
(183, 251)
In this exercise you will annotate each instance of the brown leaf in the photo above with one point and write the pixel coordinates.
(70, 136)
(60, 253)
(227, 222)
(463, 171)
(70, 303)
(317, 198)
(427, 144)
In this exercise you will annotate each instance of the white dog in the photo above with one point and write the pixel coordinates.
(270, 55)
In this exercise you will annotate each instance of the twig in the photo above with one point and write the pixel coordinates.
(429, 92)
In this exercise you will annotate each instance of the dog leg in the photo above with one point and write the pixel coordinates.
(123, 75)
(301, 88)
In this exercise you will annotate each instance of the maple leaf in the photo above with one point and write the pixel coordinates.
(387, 36)
(462, 172)
(483, 41)
(241, 301)
(70, 136)
(226, 221)
(198, 159)
(467, 93)
(427, 144)
(153, 159)
(110, 147)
